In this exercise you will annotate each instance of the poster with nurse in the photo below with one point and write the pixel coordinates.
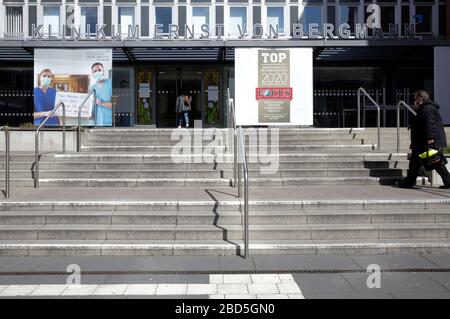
(69, 76)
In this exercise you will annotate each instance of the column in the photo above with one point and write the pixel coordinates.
(441, 72)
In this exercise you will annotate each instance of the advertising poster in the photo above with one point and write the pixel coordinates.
(274, 86)
(68, 75)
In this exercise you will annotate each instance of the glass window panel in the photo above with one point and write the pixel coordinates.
(51, 17)
(405, 15)
(14, 20)
(238, 16)
(349, 15)
(442, 15)
(423, 19)
(126, 18)
(331, 14)
(387, 17)
(88, 17)
(312, 14)
(200, 16)
(164, 17)
(275, 16)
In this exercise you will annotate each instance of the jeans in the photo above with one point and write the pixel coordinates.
(185, 115)
(413, 171)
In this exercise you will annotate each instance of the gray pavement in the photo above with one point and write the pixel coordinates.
(352, 192)
(323, 276)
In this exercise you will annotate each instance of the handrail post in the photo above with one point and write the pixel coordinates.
(359, 109)
(79, 130)
(7, 160)
(379, 128)
(64, 127)
(36, 159)
(114, 98)
(398, 127)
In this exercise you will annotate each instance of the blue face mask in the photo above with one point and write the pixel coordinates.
(45, 81)
(98, 76)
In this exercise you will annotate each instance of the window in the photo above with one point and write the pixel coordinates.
(331, 15)
(51, 19)
(275, 16)
(312, 14)
(88, 18)
(126, 18)
(387, 17)
(442, 15)
(349, 15)
(14, 21)
(164, 17)
(238, 17)
(200, 16)
(423, 19)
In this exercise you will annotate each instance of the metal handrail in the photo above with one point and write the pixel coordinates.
(79, 116)
(402, 103)
(361, 90)
(7, 159)
(36, 139)
(243, 159)
(239, 157)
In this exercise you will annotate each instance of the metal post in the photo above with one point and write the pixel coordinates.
(239, 175)
(246, 221)
(7, 159)
(379, 129)
(36, 160)
(64, 127)
(114, 98)
(235, 167)
(398, 127)
(359, 109)
(95, 109)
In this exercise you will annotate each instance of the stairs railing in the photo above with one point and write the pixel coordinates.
(407, 107)
(92, 92)
(36, 144)
(7, 159)
(365, 94)
(239, 157)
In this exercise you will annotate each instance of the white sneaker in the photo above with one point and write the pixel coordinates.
(179, 126)
(187, 125)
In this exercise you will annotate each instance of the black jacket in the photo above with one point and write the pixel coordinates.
(427, 125)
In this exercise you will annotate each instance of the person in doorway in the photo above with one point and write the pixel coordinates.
(427, 131)
(44, 99)
(183, 107)
(103, 94)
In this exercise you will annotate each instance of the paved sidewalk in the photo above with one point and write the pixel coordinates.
(326, 276)
(354, 192)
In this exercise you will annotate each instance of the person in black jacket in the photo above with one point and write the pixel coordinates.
(427, 131)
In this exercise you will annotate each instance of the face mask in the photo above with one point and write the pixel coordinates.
(45, 81)
(98, 76)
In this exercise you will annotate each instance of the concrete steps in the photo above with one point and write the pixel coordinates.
(215, 227)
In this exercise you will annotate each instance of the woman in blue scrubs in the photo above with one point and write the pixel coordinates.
(44, 99)
(103, 91)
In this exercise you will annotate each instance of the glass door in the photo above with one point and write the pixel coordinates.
(144, 100)
(166, 98)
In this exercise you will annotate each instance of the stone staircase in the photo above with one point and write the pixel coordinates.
(149, 158)
(142, 159)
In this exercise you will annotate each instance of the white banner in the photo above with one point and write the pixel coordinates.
(274, 86)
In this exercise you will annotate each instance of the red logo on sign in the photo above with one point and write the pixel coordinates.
(274, 94)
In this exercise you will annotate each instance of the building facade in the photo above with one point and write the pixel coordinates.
(167, 47)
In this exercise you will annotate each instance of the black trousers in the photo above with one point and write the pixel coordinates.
(413, 171)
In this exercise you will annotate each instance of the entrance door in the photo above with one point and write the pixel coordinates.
(166, 97)
(190, 83)
(171, 83)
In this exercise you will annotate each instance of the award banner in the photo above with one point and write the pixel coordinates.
(274, 86)
(273, 83)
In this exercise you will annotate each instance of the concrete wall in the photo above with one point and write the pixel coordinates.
(49, 141)
(441, 80)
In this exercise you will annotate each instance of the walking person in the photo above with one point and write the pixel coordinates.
(183, 107)
(427, 131)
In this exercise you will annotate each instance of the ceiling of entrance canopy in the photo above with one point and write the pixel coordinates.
(226, 54)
